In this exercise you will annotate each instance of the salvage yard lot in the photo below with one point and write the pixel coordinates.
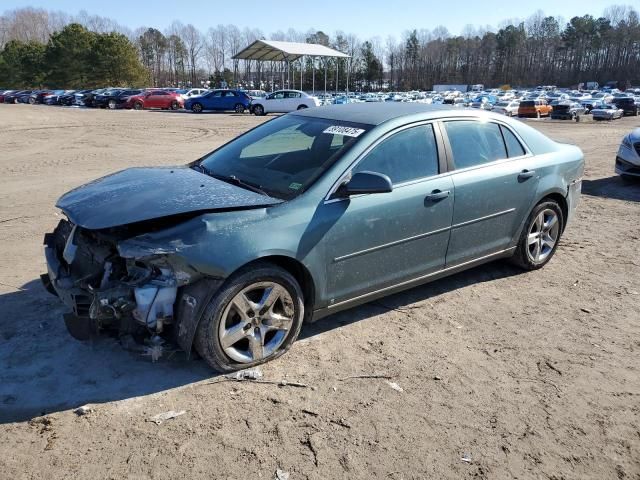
(503, 374)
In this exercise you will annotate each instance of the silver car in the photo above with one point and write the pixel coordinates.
(607, 112)
(628, 157)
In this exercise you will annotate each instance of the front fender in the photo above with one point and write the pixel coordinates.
(217, 244)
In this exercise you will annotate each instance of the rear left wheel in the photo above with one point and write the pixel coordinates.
(254, 317)
(539, 239)
(112, 104)
(239, 108)
(174, 105)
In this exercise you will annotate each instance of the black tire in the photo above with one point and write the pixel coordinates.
(174, 105)
(138, 106)
(32, 101)
(302, 107)
(258, 110)
(196, 108)
(112, 104)
(521, 256)
(207, 341)
(239, 108)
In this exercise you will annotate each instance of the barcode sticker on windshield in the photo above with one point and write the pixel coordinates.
(346, 131)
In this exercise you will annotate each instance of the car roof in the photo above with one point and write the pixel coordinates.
(377, 113)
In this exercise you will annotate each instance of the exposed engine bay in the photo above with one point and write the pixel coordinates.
(106, 291)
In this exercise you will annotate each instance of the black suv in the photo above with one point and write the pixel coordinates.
(566, 110)
(628, 104)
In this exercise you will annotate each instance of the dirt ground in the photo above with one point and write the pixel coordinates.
(503, 374)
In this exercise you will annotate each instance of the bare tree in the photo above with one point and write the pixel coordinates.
(193, 42)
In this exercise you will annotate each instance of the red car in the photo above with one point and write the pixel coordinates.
(155, 99)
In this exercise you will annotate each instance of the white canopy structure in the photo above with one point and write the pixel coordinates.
(276, 51)
(271, 50)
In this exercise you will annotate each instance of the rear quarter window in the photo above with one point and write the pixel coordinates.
(475, 143)
(514, 147)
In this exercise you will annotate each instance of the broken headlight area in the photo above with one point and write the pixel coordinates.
(105, 290)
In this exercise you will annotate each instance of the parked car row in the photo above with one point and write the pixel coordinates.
(540, 102)
(196, 100)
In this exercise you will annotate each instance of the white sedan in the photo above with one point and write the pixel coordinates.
(507, 108)
(194, 92)
(283, 101)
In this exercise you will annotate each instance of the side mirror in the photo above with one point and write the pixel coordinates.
(365, 182)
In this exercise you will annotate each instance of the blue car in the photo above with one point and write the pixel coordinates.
(220, 100)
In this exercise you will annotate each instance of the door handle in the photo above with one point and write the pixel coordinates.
(438, 195)
(524, 174)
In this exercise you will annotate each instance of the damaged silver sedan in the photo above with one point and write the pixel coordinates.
(303, 216)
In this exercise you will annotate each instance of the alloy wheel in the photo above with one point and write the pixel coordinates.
(543, 235)
(256, 322)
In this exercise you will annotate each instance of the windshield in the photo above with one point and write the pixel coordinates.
(285, 156)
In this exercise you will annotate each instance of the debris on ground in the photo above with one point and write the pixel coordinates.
(83, 410)
(154, 349)
(466, 457)
(395, 386)
(281, 475)
(367, 375)
(249, 374)
(585, 310)
(254, 375)
(163, 417)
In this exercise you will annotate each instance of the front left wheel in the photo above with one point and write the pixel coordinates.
(253, 318)
(540, 236)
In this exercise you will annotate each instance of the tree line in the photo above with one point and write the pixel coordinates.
(53, 49)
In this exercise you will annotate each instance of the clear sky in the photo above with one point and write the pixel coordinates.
(363, 18)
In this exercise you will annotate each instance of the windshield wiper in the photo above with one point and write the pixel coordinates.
(232, 179)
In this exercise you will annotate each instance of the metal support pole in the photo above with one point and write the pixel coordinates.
(325, 79)
(313, 74)
(337, 69)
(348, 72)
(301, 69)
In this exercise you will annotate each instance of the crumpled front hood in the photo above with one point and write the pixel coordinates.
(139, 194)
